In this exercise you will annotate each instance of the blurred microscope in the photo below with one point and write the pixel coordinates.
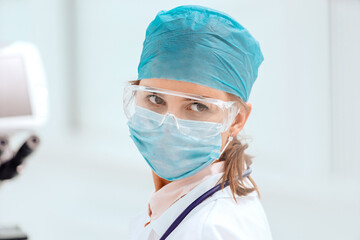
(23, 108)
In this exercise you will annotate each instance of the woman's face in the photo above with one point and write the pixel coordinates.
(197, 89)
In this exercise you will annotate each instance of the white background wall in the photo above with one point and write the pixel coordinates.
(87, 179)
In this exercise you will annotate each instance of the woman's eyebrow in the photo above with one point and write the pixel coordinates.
(198, 96)
(157, 94)
(187, 99)
(190, 99)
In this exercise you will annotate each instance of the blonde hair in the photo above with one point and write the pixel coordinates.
(235, 160)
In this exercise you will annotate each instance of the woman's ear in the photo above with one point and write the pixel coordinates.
(240, 120)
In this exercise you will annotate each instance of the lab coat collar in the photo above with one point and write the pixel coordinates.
(162, 199)
(161, 224)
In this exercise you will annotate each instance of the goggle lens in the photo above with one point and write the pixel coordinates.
(152, 108)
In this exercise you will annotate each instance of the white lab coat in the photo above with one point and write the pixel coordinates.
(218, 217)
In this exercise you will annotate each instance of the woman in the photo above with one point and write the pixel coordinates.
(185, 110)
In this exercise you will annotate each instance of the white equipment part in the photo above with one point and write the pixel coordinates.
(23, 91)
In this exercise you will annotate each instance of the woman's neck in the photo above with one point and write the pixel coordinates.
(159, 182)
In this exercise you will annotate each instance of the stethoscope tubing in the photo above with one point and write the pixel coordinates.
(198, 201)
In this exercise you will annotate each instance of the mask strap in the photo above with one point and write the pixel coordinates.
(227, 144)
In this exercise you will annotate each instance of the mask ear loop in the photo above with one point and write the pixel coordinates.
(227, 144)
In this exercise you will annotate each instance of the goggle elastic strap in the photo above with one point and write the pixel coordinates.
(227, 144)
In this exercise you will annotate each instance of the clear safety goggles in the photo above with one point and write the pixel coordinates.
(193, 115)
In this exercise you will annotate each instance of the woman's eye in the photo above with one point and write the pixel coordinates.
(198, 107)
(155, 99)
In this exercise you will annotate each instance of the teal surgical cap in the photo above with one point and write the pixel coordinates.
(201, 45)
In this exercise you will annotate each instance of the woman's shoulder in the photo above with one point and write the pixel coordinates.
(227, 219)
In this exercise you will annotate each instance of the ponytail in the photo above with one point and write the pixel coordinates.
(235, 160)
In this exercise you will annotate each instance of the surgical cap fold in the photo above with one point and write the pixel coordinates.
(201, 45)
